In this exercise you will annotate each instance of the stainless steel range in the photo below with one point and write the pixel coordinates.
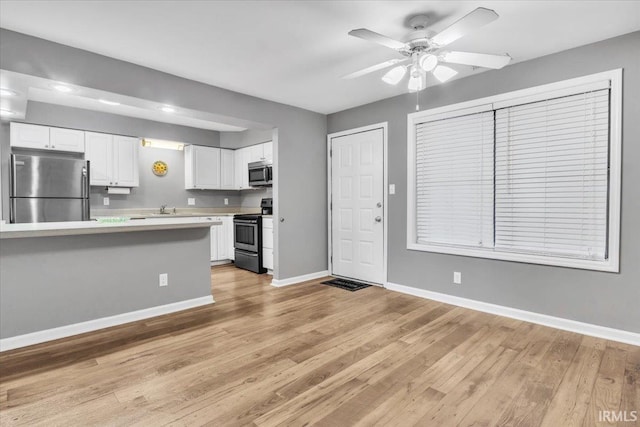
(247, 238)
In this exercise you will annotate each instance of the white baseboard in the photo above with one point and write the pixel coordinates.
(104, 322)
(298, 279)
(528, 316)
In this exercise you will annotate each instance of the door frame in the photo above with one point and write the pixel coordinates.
(385, 193)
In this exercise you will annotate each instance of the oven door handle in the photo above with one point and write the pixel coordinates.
(245, 221)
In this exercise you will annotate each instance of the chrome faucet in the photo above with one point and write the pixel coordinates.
(163, 208)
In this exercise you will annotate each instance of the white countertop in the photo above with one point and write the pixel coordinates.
(69, 228)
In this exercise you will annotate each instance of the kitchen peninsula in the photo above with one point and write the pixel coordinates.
(61, 279)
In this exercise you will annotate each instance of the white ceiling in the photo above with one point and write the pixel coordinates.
(295, 52)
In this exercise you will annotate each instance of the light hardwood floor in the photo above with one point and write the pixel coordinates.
(314, 354)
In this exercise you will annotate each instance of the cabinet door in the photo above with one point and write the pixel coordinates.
(267, 243)
(268, 151)
(242, 168)
(206, 168)
(228, 226)
(227, 166)
(99, 151)
(222, 241)
(256, 153)
(214, 243)
(29, 136)
(66, 140)
(125, 155)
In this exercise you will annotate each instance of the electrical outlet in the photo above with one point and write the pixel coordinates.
(163, 279)
(226, 201)
(392, 189)
(191, 201)
(457, 278)
(105, 201)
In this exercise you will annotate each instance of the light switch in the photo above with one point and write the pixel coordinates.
(392, 189)
(226, 201)
(191, 201)
(105, 201)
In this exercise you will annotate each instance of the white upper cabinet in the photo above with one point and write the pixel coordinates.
(267, 148)
(37, 137)
(29, 136)
(125, 155)
(201, 167)
(66, 140)
(256, 153)
(227, 167)
(114, 159)
(99, 151)
(241, 169)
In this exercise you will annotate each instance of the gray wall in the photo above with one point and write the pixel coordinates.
(245, 138)
(299, 148)
(48, 282)
(600, 298)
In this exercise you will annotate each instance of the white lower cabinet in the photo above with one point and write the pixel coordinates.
(222, 239)
(267, 243)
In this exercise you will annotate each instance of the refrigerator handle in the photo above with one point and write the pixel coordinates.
(85, 181)
(13, 189)
(86, 204)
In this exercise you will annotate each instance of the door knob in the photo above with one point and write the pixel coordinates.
(378, 218)
(379, 204)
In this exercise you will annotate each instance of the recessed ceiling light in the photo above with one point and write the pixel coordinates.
(168, 109)
(4, 112)
(7, 92)
(62, 88)
(105, 101)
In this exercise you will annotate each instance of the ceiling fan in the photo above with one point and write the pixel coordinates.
(423, 51)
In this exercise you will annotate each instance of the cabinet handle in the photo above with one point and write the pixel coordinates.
(53, 146)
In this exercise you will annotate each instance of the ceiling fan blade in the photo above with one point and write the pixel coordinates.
(443, 73)
(373, 68)
(464, 25)
(476, 59)
(374, 37)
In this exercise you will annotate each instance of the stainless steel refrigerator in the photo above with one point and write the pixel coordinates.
(48, 189)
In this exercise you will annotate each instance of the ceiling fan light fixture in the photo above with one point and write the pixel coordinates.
(417, 82)
(394, 75)
(428, 62)
(443, 73)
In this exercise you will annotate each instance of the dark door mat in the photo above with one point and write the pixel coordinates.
(348, 285)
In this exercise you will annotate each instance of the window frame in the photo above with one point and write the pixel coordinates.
(537, 93)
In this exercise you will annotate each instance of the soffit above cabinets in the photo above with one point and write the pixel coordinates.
(31, 88)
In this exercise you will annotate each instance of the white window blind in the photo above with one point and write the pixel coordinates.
(454, 180)
(551, 172)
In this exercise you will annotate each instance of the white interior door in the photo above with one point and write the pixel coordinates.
(357, 193)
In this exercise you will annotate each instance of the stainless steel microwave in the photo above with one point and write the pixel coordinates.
(260, 174)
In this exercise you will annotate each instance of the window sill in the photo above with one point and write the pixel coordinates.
(610, 265)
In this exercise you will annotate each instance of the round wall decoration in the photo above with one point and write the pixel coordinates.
(160, 168)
